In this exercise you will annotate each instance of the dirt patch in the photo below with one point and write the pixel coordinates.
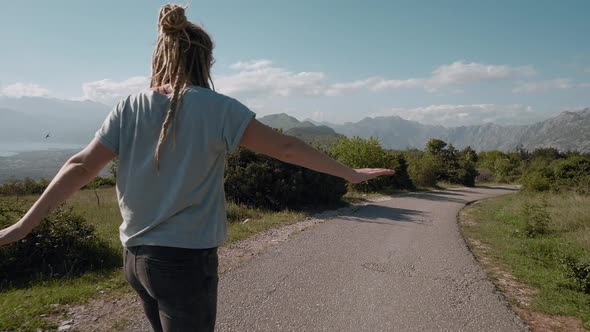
(106, 313)
(542, 322)
(519, 295)
(110, 312)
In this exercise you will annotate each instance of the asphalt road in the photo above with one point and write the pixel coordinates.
(396, 265)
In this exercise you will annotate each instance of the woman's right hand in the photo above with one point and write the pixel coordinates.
(365, 174)
(12, 233)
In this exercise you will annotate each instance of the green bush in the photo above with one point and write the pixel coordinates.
(424, 170)
(256, 180)
(570, 173)
(26, 186)
(537, 219)
(579, 271)
(536, 181)
(357, 152)
(451, 165)
(485, 175)
(401, 179)
(506, 167)
(29, 186)
(561, 175)
(467, 171)
(64, 244)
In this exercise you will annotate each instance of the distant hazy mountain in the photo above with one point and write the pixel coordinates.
(393, 131)
(284, 121)
(306, 130)
(567, 131)
(29, 119)
(322, 135)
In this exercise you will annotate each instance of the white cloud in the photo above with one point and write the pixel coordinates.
(338, 89)
(397, 84)
(456, 73)
(560, 83)
(461, 72)
(108, 91)
(464, 115)
(23, 90)
(260, 77)
(251, 65)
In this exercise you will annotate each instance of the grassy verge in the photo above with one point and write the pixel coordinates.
(25, 309)
(531, 236)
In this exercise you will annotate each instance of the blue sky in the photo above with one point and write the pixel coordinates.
(440, 62)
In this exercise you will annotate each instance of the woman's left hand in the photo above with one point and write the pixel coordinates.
(12, 233)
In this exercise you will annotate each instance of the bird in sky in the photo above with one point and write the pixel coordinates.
(47, 136)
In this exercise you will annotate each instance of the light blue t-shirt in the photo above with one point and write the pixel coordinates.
(182, 205)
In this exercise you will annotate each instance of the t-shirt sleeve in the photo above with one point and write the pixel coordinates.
(110, 131)
(236, 120)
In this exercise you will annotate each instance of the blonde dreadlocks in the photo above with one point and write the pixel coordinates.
(182, 57)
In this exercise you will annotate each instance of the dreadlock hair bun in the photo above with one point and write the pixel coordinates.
(172, 19)
(182, 57)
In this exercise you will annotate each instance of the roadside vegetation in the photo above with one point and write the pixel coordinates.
(541, 235)
(76, 254)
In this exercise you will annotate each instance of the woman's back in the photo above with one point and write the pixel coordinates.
(181, 204)
(171, 154)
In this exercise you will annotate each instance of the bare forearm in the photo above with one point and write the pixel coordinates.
(299, 153)
(68, 180)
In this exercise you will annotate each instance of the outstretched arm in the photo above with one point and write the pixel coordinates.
(78, 171)
(262, 139)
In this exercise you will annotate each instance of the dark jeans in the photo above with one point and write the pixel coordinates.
(178, 287)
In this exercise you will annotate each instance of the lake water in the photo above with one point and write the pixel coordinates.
(11, 149)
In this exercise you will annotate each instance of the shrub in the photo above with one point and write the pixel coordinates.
(357, 152)
(63, 244)
(259, 181)
(485, 175)
(536, 181)
(537, 219)
(571, 172)
(424, 170)
(26, 186)
(467, 172)
(401, 179)
(450, 164)
(29, 186)
(579, 271)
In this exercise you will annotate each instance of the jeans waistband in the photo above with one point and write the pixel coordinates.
(171, 252)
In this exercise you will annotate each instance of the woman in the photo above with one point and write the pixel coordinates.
(171, 144)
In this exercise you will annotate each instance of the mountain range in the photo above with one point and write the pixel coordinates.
(569, 130)
(29, 119)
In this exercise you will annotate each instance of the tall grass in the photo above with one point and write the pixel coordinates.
(543, 261)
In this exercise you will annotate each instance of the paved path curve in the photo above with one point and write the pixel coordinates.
(396, 265)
